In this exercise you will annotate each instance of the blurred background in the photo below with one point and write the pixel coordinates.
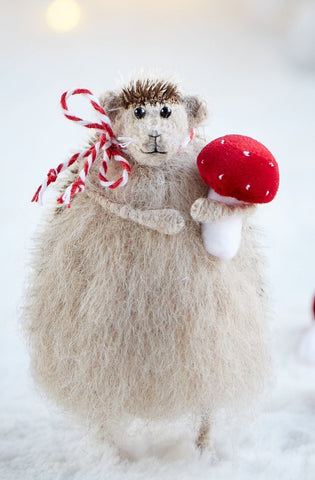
(252, 60)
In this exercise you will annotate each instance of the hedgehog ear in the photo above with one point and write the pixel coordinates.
(112, 104)
(196, 109)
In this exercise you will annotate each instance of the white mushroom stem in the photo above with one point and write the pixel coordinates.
(222, 238)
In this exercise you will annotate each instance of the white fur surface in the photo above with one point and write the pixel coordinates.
(37, 443)
(251, 90)
(307, 345)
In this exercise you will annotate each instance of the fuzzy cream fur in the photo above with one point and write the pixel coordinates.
(127, 313)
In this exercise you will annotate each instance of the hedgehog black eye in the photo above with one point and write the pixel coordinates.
(139, 112)
(165, 112)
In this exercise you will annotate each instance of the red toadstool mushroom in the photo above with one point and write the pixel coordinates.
(239, 170)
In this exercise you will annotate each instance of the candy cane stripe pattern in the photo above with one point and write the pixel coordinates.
(107, 143)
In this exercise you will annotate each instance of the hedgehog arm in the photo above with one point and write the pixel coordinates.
(206, 210)
(167, 221)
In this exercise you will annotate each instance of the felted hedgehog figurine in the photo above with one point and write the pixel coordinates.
(128, 315)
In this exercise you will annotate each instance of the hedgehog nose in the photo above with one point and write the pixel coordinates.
(154, 134)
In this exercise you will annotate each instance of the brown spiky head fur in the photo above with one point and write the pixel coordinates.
(150, 91)
(124, 320)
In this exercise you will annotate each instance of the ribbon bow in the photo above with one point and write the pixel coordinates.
(107, 143)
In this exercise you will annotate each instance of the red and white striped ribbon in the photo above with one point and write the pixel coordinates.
(106, 143)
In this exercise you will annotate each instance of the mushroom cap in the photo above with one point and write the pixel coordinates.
(240, 167)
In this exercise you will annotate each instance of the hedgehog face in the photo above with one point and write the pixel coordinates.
(156, 116)
(158, 131)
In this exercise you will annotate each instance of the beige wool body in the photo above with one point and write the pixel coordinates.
(124, 320)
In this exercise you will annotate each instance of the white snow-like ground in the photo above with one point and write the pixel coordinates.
(253, 87)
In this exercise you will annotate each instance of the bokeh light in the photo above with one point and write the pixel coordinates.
(63, 15)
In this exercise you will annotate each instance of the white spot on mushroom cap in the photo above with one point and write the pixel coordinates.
(246, 153)
(222, 141)
(271, 164)
(267, 193)
(202, 161)
(221, 176)
(247, 187)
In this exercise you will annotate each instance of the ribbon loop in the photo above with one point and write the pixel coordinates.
(107, 143)
(95, 104)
